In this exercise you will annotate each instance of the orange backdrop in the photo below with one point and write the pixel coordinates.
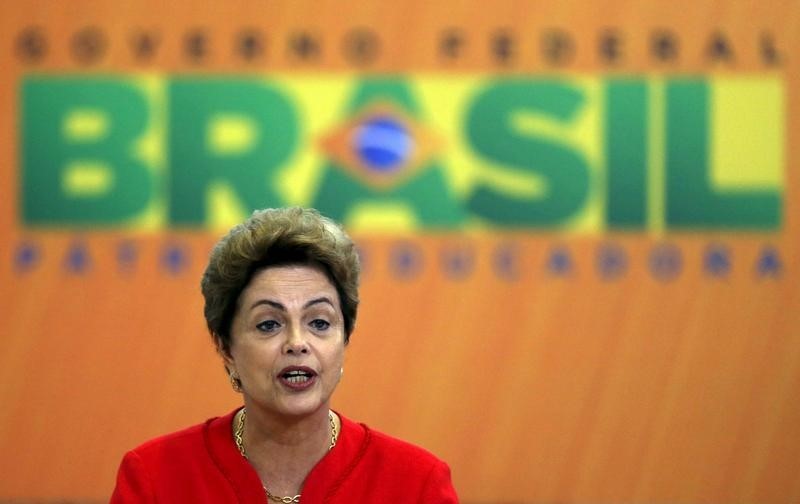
(535, 388)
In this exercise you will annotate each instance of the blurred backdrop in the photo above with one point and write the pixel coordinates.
(579, 224)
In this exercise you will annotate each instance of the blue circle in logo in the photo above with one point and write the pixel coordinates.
(383, 143)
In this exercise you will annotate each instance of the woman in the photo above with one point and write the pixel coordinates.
(281, 295)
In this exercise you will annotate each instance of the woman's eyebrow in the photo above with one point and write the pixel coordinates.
(279, 306)
(269, 302)
(318, 300)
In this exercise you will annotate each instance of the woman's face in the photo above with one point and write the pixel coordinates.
(287, 340)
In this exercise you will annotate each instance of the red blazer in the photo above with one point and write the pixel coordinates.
(202, 465)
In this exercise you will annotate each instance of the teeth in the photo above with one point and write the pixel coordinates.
(296, 373)
(297, 378)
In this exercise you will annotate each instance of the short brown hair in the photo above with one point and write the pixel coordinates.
(274, 237)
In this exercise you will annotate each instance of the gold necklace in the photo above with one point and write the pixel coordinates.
(237, 437)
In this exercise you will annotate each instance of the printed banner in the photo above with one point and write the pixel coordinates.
(583, 154)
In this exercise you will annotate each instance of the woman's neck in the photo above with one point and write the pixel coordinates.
(281, 432)
(283, 450)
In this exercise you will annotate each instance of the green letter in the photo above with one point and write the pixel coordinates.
(78, 160)
(232, 131)
(425, 195)
(626, 153)
(691, 200)
(491, 132)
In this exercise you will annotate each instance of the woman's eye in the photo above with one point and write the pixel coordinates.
(320, 325)
(268, 326)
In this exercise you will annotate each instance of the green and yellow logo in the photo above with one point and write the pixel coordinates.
(583, 154)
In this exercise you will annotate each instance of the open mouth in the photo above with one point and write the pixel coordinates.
(297, 377)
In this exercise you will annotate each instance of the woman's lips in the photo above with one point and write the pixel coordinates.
(297, 378)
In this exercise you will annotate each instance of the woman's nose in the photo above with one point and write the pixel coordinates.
(295, 342)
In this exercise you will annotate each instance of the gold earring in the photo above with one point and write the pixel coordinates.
(236, 383)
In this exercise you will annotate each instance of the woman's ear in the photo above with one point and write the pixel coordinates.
(224, 351)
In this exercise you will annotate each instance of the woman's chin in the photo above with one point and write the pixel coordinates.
(292, 402)
(301, 406)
